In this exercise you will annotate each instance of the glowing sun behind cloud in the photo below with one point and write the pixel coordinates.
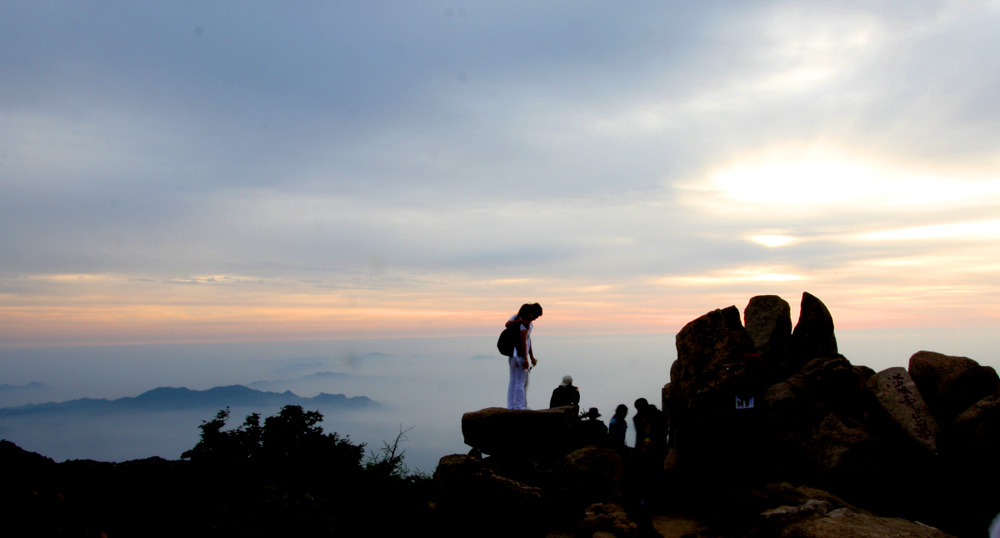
(824, 179)
(793, 183)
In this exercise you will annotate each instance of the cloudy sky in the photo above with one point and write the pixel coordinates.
(198, 171)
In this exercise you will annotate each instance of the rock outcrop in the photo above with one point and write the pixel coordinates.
(476, 491)
(714, 384)
(506, 432)
(818, 419)
(769, 324)
(902, 403)
(951, 384)
(813, 335)
(815, 519)
(751, 405)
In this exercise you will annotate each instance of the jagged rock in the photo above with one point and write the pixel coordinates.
(976, 434)
(812, 522)
(717, 369)
(595, 474)
(901, 400)
(968, 388)
(864, 372)
(769, 324)
(813, 335)
(812, 506)
(786, 494)
(934, 373)
(974, 443)
(471, 492)
(602, 520)
(816, 419)
(831, 383)
(464, 475)
(840, 448)
(499, 431)
(820, 420)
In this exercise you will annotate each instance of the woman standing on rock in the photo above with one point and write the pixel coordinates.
(517, 388)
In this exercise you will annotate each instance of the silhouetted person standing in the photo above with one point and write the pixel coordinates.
(565, 394)
(618, 427)
(591, 430)
(641, 422)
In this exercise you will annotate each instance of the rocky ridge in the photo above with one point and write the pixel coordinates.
(772, 433)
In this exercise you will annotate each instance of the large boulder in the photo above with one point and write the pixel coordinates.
(472, 495)
(935, 373)
(975, 439)
(972, 446)
(816, 423)
(595, 474)
(460, 475)
(813, 335)
(714, 386)
(520, 433)
(969, 387)
(769, 324)
(905, 407)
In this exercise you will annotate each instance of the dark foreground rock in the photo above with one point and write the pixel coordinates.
(817, 520)
(528, 496)
(511, 432)
(766, 402)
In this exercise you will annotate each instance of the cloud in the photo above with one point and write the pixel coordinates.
(423, 159)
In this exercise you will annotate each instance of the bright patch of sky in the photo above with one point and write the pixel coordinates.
(223, 171)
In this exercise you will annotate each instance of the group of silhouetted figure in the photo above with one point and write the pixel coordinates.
(643, 462)
(651, 425)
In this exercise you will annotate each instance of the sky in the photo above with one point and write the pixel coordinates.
(239, 171)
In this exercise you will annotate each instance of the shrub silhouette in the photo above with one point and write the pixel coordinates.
(287, 477)
(282, 476)
(288, 442)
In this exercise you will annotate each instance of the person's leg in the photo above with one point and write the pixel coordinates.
(512, 384)
(515, 391)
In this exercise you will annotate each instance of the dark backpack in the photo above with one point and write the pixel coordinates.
(509, 339)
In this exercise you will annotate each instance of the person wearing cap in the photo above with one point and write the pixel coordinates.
(565, 394)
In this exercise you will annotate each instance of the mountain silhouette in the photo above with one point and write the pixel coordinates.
(180, 398)
(318, 376)
(34, 385)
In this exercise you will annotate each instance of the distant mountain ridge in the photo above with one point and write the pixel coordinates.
(180, 398)
(34, 385)
(318, 376)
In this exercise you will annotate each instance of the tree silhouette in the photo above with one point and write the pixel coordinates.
(291, 440)
(286, 477)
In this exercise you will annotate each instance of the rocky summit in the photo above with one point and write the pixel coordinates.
(772, 432)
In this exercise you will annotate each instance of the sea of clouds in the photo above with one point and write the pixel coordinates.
(423, 384)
